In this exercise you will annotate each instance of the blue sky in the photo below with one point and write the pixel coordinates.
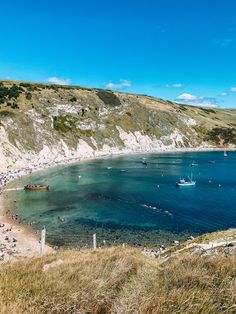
(181, 50)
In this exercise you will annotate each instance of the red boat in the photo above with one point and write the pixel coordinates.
(34, 187)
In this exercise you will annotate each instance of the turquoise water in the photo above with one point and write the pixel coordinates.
(123, 200)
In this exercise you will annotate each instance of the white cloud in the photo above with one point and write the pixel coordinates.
(58, 80)
(223, 94)
(176, 85)
(193, 100)
(186, 96)
(121, 85)
(233, 89)
(5, 78)
(223, 42)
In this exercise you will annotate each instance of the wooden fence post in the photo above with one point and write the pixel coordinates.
(94, 241)
(42, 241)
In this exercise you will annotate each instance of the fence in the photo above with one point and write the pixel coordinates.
(93, 241)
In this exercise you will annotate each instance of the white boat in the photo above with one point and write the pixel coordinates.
(183, 182)
(194, 164)
(225, 153)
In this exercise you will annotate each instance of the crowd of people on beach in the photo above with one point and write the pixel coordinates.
(8, 242)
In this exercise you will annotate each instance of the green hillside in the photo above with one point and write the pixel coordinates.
(71, 119)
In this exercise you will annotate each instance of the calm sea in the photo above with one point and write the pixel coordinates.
(122, 200)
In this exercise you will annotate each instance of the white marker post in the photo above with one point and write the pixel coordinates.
(94, 241)
(42, 241)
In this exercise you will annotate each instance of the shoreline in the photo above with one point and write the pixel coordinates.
(10, 175)
(20, 241)
(17, 241)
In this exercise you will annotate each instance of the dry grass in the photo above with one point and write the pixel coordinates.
(119, 281)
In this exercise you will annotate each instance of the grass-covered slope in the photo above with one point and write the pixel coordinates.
(121, 281)
(72, 121)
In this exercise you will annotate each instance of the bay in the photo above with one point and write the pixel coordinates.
(123, 200)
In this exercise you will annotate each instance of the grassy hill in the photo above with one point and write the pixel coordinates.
(118, 280)
(71, 121)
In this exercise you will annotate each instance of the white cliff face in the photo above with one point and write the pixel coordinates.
(176, 139)
(9, 154)
(84, 149)
(136, 141)
(16, 156)
(189, 122)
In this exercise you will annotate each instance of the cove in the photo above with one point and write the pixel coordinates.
(122, 199)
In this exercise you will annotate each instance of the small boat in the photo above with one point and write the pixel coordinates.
(144, 162)
(183, 182)
(225, 153)
(34, 187)
(211, 161)
(193, 164)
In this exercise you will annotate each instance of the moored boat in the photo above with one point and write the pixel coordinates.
(183, 182)
(34, 187)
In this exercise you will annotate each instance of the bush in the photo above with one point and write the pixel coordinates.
(26, 85)
(28, 96)
(9, 93)
(14, 106)
(73, 99)
(109, 98)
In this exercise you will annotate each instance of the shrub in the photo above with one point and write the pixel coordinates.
(73, 99)
(9, 93)
(28, 96)
(109, 98)
(14, 106)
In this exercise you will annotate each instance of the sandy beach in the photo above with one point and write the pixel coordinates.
(19, 241)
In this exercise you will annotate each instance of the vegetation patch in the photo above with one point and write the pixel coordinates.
(109, 98)
(183, 108)
(222, 136)
(28, 96)
(8, 93)
(5, 113)
(61, 124)
(207, 110)
(73, 99)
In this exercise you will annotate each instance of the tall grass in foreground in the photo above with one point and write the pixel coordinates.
(119, 281)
